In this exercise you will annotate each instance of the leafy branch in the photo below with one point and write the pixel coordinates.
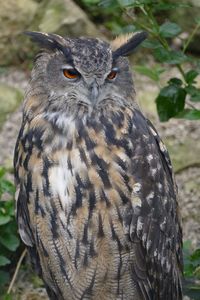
(9, 240)
(180, 95)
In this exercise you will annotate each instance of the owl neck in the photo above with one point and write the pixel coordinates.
(67, 121)
(65, 117)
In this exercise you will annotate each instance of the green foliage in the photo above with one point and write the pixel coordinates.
(191, 286)
(153, 74)
(9, 241)
(120, 16)
(171, 99)
(169, 30)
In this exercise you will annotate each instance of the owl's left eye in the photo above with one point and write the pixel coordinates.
(112, 74)
(71, 73)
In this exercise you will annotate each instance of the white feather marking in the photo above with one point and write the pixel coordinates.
(149, 157)
(153, 171)
(148, 244)
(136, 201)
(62, 120)
(139, 225)
(150, 196)
(160, 186)
(162, 147)
(155, 252)
(137, 187)
(17, 194)
(153, 131)
(123, 156)
(60, 177)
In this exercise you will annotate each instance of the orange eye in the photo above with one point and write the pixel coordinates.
(112, 74)
(71, 73)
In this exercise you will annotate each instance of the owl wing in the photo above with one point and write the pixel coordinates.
(22, 214)
(23, 182)
(153, 225)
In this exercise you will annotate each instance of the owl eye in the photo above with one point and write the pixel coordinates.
(71, 73)
(112, 74)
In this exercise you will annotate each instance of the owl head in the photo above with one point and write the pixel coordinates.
(74, 75)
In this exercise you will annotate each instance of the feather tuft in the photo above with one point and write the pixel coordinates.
(126, 45)
(121, 40)
(49, 41)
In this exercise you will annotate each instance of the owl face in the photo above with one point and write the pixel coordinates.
(81, 73)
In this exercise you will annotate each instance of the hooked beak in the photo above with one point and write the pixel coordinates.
(94, 92)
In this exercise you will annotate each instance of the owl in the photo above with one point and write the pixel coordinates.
(96, 197)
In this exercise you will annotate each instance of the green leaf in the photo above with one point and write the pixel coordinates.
(109, 4)
(151, 44)
(187, 246)
(8, 207)
(196, 255)
(197, 20)
(4, 261)
(11, 242)
(125, 3)
(176, 81)
(171, 57)
(188, 270)
(151, 73)
(169, 30)
(133, 3)
(8, 297)
(193, 92)
(168, 6)
(7, 186)
(91, 2)
(128, 29)
(2, 172)
(4, 219)
(190, 76)
(189, 114)
(4, 278)
(170, 101)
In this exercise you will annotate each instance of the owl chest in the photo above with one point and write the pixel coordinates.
(92, 192)
(90, 188)
(89, 181)
(90, 167)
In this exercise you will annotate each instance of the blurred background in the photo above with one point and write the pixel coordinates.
(166, 73)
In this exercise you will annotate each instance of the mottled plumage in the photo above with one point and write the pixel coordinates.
(96, 198)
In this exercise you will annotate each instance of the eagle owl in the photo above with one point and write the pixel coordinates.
(96, 198)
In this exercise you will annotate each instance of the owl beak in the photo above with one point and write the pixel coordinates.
(94, 92)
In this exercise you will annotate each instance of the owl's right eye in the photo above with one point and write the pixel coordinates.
(71, 73)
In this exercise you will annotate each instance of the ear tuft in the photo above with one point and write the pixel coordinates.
(126, 44)
(121, 40)
(49, 41)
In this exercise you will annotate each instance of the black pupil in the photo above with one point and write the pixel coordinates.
(72, 72)
(112, 74)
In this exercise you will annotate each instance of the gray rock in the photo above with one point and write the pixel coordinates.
(181, 154)
(15, 17)
(10, 99)
(62, 16)
(66, 18)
